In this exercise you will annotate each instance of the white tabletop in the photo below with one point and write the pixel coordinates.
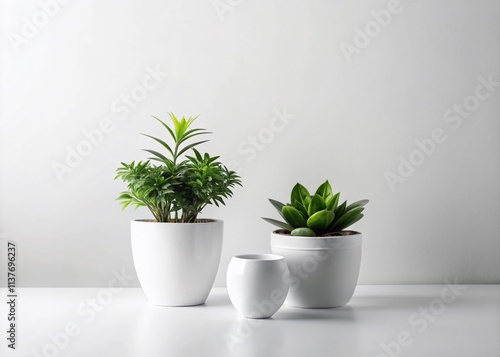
(418, 320)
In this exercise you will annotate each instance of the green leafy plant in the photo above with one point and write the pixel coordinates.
(318, 214)
(181, 185)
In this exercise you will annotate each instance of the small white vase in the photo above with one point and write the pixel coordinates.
(323, 270)
(176, 263)
(257, 284)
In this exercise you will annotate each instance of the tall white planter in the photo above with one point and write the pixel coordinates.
(176, 263)
(323, 270)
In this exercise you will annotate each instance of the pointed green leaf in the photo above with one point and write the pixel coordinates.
(192, 133)
(301, 208)
(333, 201)
(324, 190)
(317, 204)
(190, 146)
(340, 210)
(347, 219)
(160, 156)
(278, 205)
(356, 204)
(164, 144)
(124, 196)
(320, 220)
(300, 193)
(199, 157)
(181, 128)
(166, 127)
(278, 223)
(352, 221)
(293, 217)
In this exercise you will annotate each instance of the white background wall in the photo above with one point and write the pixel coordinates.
(353, 117)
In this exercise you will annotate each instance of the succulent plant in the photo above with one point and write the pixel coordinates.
(318, 214)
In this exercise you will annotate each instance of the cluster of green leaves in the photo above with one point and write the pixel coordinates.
(318, 214)
(179, 187)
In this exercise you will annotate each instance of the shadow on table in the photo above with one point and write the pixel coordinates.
(389, 303)
(344, 313)
(217, 300)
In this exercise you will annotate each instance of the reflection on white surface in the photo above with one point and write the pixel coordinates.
(374, 319)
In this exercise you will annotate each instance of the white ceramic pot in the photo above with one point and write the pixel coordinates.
(176, 263)
(257, 284)
(323, 270)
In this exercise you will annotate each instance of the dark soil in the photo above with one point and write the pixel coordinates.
(197, 221)
(331, 234)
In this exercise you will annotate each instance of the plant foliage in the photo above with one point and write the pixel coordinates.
(317, 214)
(183, 183)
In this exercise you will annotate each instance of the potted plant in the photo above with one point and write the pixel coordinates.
(176, 254)
(323, 258)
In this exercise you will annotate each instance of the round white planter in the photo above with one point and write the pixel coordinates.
(257, 284)
(176, 263)
(323, 270)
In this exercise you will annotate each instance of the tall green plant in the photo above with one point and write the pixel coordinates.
(181, 185)
(318, 214)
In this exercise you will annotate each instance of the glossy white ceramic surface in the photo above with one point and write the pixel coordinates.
(257, 284)
(176, 263)
(323, 270)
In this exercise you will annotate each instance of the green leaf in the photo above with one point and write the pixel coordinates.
(164, 144)
(324, 190)
(166, 126)
(301, 208)
(320, 220)
(278, 205)
(352, 221)
(278, 224)
(300, 194)
(333, 201)
(199, 157)
(356, 204)
(178, 126)
(303, 232)
(347, 219)
(317, 204)
(160, 156)
(124, 196)
(192, 133)
(293, 217)
(184, 125)
(340, 209)
(187, 147)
